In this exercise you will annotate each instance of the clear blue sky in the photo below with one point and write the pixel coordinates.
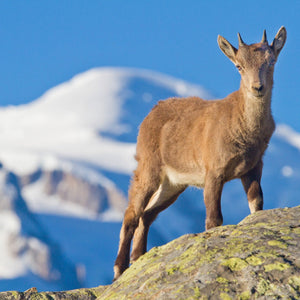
(44, 43)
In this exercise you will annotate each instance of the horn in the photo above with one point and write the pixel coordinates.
(241, 42)
(264, 38)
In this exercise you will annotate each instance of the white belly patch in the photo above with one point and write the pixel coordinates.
(177, 178)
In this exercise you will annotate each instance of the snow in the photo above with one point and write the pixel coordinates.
(66, 122)
(8, 191)
(11, 264)
(39, 202)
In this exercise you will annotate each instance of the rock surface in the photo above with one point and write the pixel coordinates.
(256, 259)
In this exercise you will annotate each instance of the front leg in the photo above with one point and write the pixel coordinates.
(251, 183)
(212, 199)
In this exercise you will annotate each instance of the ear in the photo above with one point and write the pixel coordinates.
(279, 41)
(227, 48)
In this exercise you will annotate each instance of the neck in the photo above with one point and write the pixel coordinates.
(256, 111)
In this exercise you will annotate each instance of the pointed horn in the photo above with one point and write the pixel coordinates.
(264, 38)
(241, 42)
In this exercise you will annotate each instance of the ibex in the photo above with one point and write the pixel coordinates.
(191, 141)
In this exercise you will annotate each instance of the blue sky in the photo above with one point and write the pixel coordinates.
(44, 43)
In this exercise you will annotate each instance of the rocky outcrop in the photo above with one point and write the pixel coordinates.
(256, 259)
(86, 189)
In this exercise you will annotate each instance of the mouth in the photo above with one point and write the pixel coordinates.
(258, 94)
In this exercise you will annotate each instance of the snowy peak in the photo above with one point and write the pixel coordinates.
(79, 120)
(91, 100)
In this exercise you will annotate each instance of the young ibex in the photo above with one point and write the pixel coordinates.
(202, 143)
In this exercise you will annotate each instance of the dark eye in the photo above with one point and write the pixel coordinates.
(272, 62)
(238, 67)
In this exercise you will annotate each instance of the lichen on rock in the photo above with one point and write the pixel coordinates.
(257, 259)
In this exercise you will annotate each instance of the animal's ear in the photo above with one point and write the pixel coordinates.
(279, 41)
(227, 48)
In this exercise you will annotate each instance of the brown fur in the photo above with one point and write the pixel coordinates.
(191, 141)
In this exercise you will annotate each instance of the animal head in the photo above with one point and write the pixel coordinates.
(255, 62)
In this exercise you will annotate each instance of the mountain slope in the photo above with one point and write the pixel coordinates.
(26, 249)
(73, 153)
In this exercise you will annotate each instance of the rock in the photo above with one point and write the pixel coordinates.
(32, 294)
(256, 259)
(91, 191)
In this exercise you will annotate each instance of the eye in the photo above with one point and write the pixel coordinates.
(239, 67)
(272, 62)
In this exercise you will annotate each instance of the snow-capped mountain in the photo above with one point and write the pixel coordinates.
(27, 252)
(72, 151)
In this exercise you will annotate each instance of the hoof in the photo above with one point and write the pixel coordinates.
(117, 273)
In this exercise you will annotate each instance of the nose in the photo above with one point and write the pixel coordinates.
(257, 86)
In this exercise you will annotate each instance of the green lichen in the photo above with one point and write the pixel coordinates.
(261, 224)
(285, 231)
(142, 265)
(294, 281)
(238, 245)
(187, 264)
(92, 292)
(263, 286)
(266, 255)
(296, 230)
(235, 264)
(236, 232)
(41, 296)
(225, 296)
(254, 260)
(179, 290)
(222, 280)
(244, 295)
(195, 297)
(197, 293)
(11, 295)
(268, 232)
(276, 266)
(278, 244)
(172, 270)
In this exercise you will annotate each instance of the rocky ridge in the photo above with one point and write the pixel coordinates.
(257, 259)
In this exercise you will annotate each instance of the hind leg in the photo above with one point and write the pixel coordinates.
(164, 196)
(139, 194)
(129, 225)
